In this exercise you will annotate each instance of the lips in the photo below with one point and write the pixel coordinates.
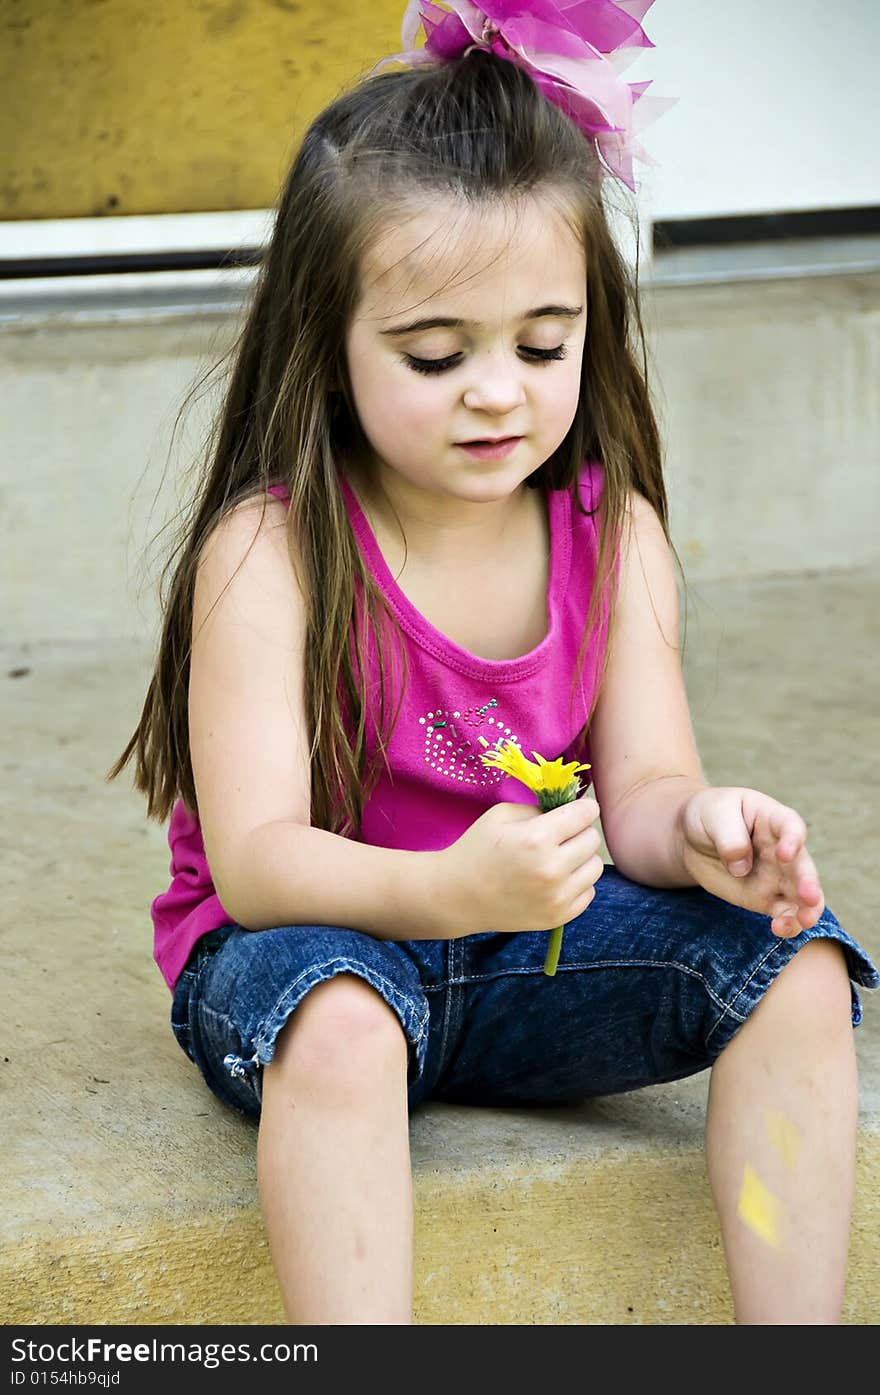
(489, 440)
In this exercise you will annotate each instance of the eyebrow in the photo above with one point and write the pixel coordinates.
(563, 312)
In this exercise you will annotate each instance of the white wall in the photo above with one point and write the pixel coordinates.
(779, 106)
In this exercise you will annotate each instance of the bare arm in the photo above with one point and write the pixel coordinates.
(289, 874)
(645, 760)
(665, 826)
(648, 844)
(250, 756)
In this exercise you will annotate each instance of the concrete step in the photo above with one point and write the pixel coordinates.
(130, 1192)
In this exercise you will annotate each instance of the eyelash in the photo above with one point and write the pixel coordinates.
(440, 365)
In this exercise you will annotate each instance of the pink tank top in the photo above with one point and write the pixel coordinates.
(437, 785)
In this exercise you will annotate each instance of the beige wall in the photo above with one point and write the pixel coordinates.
(119, 107)
(769, 398)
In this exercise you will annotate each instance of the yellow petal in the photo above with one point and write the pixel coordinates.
(545, 775)
(509, 758)
(758, 1207)
(555, 775)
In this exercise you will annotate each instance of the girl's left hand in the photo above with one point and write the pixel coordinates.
(724, 826)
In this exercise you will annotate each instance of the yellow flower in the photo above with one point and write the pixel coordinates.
(553, 783)
(549, 778)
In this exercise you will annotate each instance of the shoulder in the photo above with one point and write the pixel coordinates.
(641, 545)
(251, 519)
(245, 562)
(642, 523)
(647, 591)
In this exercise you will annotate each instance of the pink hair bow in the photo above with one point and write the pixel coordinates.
(574, 50)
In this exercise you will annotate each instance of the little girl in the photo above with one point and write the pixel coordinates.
(434, 526)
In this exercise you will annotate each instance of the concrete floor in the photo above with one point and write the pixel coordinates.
(130, 1192)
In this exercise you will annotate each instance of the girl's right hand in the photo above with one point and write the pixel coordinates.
(518, 869)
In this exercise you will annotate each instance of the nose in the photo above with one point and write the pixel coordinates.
(497, 386)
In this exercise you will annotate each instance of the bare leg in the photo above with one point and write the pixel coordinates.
(333, 1163)
(783, 1099)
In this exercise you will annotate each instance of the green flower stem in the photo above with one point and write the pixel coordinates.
(553, 948)
(547, 800)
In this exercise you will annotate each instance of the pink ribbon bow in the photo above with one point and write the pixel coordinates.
(574, 50)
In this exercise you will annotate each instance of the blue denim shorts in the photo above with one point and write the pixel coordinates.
(651, 986)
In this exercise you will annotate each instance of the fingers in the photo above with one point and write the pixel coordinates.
(807, 887)
(577, 851)
(786, 927)
(790, 850)
(574, 817)
(733, 838)
(590, 874)
(791, 915)
(726, 830)
(790, 831)
(791, 923)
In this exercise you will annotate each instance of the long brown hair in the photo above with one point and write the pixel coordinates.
(475, 129)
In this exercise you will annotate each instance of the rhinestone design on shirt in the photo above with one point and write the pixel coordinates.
(450, 742)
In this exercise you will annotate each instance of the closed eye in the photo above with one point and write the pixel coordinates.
(441, 365)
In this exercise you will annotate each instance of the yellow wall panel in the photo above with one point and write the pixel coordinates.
(167, 106)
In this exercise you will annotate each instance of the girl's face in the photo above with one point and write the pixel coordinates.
(470, 327)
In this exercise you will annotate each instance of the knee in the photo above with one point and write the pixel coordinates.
(814, 986)
(342, 1030)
